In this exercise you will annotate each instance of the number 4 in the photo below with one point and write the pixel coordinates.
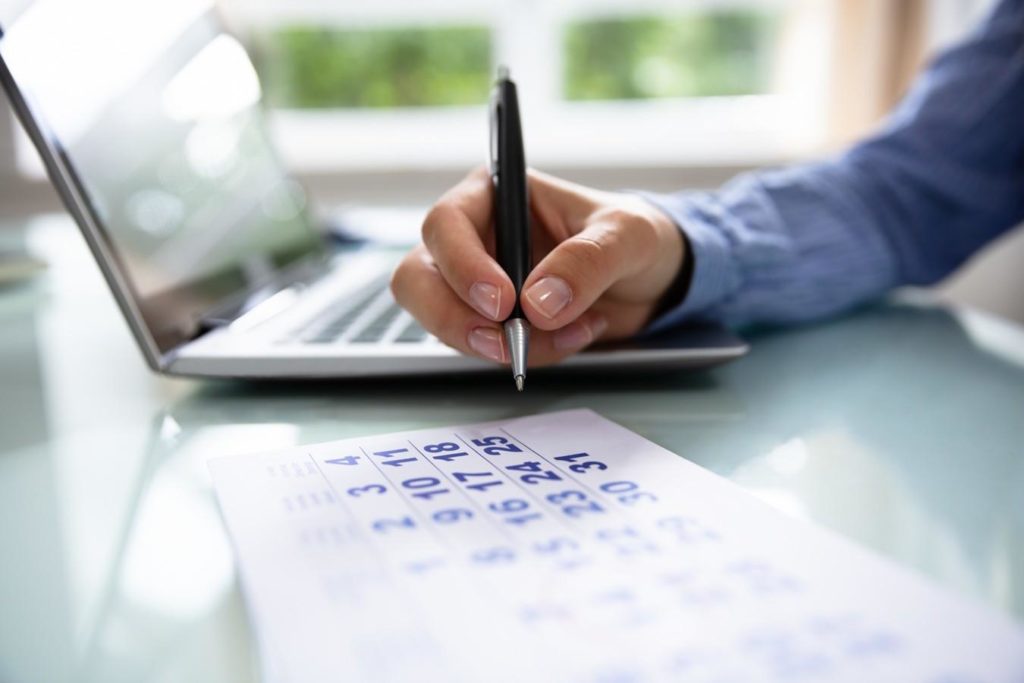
(347, 460)
(528, 466)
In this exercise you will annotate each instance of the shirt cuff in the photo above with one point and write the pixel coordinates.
(715, 275)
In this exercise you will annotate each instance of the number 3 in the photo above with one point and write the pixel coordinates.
(357, 491)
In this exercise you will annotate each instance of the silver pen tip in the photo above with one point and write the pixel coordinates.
(520, 380)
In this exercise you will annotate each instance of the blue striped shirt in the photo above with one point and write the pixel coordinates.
(943, 177)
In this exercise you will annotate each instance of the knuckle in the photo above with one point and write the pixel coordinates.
(616, 214)
(588, 255)
(602, 251)
(644, 234)
(399, 278)
(436, 218)
(414, 266)
(633, 230)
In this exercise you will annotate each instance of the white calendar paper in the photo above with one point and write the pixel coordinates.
(563, 547)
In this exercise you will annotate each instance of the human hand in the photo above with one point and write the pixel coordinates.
(603, 262)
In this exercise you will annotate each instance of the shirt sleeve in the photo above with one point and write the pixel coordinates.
(908, 206)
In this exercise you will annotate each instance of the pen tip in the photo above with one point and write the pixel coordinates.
(520, 380)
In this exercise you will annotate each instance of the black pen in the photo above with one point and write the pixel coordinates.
(511, 211)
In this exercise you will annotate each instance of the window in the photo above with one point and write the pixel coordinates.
(403, 84)
(313, 67)
(645, 56)
(717, 53)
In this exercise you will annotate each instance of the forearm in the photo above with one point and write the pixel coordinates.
(945, 176)
(778, 247)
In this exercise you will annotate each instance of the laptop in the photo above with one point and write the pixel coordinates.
(147, 115)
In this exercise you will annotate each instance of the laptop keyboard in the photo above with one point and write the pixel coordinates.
(375, 331)
(367, 318)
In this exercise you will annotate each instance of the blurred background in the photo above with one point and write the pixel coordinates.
(116, 564)
(383, 103)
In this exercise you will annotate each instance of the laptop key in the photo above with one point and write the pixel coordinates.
(335, 328)
(379, 326)
(412, 334)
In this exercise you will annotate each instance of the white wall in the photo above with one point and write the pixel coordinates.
(993, 279)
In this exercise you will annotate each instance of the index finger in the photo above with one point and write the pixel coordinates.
(454, 233)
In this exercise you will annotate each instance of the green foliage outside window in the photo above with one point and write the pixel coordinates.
(622, 58)
(309, 67)
(694, 55)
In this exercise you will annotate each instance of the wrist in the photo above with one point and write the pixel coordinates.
(715, 271)
(678, 286)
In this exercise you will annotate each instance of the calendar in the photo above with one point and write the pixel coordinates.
(563, 547)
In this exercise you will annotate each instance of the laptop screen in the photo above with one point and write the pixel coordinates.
(156, 111)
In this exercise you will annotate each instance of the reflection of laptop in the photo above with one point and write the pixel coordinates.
(147, 116)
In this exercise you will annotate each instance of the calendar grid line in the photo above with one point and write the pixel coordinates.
(472, 502)
(571, 475)
(481, 586)
(381, 555)
(631, 517)
(426, 525)
(518, 487)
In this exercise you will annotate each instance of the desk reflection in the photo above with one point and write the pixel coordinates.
(899, 427)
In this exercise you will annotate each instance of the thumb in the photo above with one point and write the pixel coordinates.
(579, 270)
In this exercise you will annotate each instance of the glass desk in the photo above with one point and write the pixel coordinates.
(900, 427)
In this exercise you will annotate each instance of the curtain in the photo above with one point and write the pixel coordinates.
(878, 47)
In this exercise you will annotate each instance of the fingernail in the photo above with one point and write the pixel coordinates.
(579, 334)
(487, 342)
(486, 298)
(550, 295)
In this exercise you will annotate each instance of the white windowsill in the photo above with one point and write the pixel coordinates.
(741, 132)
(707, 132)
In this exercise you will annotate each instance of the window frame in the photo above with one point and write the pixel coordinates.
(527, 35)
(696, 132)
